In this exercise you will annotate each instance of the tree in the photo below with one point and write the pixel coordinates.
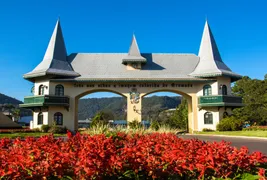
(16, 114)
(254, 95)
(180, 116)
(102, 118)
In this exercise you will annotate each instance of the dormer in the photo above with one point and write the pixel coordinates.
(134, 60)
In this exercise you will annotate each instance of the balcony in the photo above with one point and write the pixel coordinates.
(220, 101)
(44, 101)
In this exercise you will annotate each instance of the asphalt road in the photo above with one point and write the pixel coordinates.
(252, 144)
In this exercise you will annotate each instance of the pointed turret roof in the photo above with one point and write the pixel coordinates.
(134, 54)
(55, 58)
(210, 63)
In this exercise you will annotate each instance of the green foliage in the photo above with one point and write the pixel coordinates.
(155, 125)
(207, 130)
(179, 119)
(254, 95)
(102, 118)
(135, 124)
(230, 123)
(45, 128)
(57, 129)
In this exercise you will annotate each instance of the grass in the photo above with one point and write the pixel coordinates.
(106, 129)
(23, 135)
(237, 133)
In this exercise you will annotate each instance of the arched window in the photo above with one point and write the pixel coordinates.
(224, 90)
(207, 90)
(40, 118)
(208, 118)
(59, 90)
(41, 90)
(58, 118)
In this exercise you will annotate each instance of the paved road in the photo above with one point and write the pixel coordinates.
(252, 144)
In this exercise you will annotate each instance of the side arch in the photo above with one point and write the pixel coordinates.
(87, 92)
(98, 90)
(167, 90)
(192, 117)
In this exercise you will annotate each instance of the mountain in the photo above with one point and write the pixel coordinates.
(4, 99)
(8, 104)
(117, 105)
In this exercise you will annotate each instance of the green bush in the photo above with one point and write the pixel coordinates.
(155, 125)
(230, 124)
(207, 130)
(45, 128)
(135, 124)
(58, 130)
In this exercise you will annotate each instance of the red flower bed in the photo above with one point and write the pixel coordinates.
(151, 156)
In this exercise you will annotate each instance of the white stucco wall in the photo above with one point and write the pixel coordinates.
(224, 81)
(37, 84)
(215, 114)
(35, 119)
(214, 88)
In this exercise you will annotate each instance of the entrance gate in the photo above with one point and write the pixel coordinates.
(60, 80)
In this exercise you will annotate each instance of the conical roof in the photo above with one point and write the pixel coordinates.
(134, 54)
(55, 58)
(210, 63)
(6, 122)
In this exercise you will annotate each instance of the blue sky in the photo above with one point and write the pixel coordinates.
(166, 26)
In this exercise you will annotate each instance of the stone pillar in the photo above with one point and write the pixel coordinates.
(134, 107)
(190, 115)
(195, 110)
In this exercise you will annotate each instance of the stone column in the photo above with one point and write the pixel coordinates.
(134, 106)
(195, 110)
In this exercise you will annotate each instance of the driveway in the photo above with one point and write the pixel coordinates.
(252, 144)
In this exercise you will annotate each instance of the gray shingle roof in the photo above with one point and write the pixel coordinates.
(109, 66)
(55, 58)
(158, 66)
(211, 63)
(134, 54)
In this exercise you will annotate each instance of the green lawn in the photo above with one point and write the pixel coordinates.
(23, 135)
(238, 133)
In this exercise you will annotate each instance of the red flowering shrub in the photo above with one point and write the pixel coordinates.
(126, 156)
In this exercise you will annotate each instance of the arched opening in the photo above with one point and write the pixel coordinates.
(101, 105)
(40, 118)
(58, 118)
(41, 90)
(166, 107)
(59, 90)
(207, 90)
(224, 90)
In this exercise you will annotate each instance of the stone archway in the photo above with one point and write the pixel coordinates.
(88, 92)
(188, 97)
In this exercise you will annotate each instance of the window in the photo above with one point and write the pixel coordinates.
(58, 118)
(224, 90)
(208, 118)
(41, 90)
(207, 90)
(40, 118)
(59, 90)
